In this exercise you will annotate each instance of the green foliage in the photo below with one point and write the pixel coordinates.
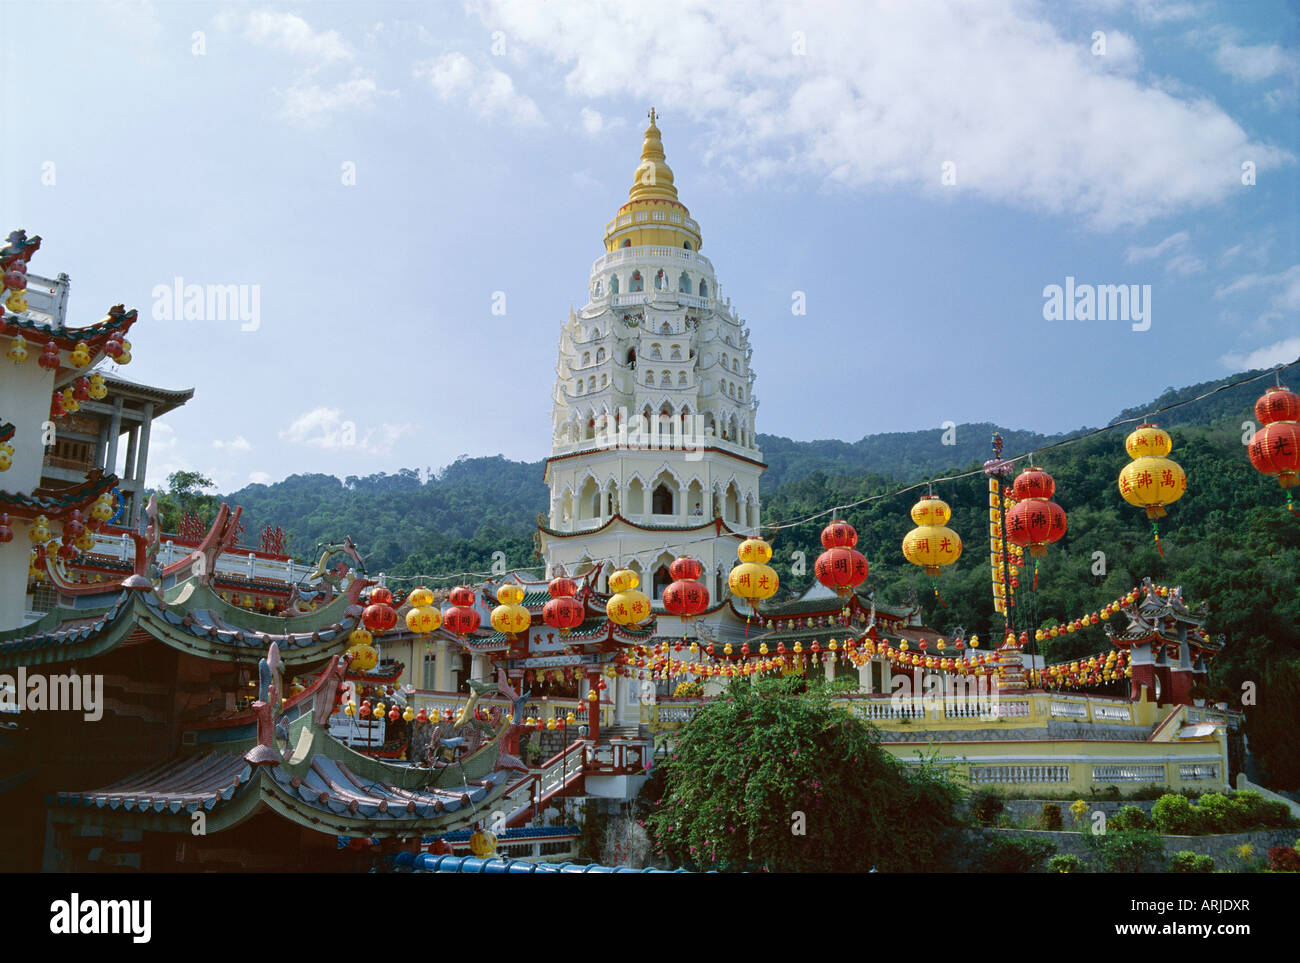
(185, 495)
(1186, 861)
(1050, 816)
(773, 777)
(1008, 853)
(1127, 851)
(1174, 815)
(986, 806)
(1130, 817)
(1065, 863)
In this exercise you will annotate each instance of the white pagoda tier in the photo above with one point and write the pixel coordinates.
(653, 449)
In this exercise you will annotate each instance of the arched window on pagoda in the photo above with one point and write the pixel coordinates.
(665, 328)
(604, 380)
(613, 284)
(630, 358)
(662, 500)
(676, 354)
(637, 283)
(656, 352)
(600, 355)
(665, 377)
(649, 377)
(684, 283)
(686, 244)
(662, 581)
(681, 379)
(661, 281)
(735, 364)
(586, 358)
(704, 288)
(627, 242)
(591, 383)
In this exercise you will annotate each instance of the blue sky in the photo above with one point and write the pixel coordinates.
(492, 140)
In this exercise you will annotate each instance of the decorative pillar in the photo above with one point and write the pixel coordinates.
(620, 699)
(593, 707)
(114, 433)
(128, 469)
(864, 677)
(142, 449)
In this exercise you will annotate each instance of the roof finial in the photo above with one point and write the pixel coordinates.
(652, 116)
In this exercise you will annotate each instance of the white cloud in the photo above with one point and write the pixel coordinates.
(1255, 63)
(1282, 352)
(1171, 243)
(885, 94)
(259, 478)
(1184, 264)
(1285, 286)
(292, 34)
(309, 103)
(488, 91)
(238, 443)
(594, 122)
(326, 428)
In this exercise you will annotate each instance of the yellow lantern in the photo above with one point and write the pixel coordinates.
(931, 544)
(510, 594)
(17, 352)
(425, 618)
(510, 619)
(753, 579)
(420, 597)
(39, 533)
(80, 354)
(626, 606)
(408, 714)
(1151, 481)
(483, 843)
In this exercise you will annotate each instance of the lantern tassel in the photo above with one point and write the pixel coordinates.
(938, 596)
(1290, 505)
(1155, 531)
(1035, 576)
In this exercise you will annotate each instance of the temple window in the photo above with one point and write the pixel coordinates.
(600, 356)
(677, 353)
(684, 283)
(704, 288)
(613, 284)
(637, 283)
(649, 377)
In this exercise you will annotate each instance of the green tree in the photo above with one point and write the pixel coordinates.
(773, 777)
(185, 495)
(1127, 851)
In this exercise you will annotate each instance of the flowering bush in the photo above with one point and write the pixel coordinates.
(1187, 861)
(687, 689)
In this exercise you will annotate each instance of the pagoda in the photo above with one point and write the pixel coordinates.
(653, 450)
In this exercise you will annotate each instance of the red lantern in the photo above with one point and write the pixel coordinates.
(1275, 448)
(839, 535)
(686, 599)
(380, 596)
(564, 614)
(462, 595)
(561, 588)
(49, 359)
(841, 569)
(379, 617)
(685, 568)
(460, 620)
(6, 533)
(1035, 521)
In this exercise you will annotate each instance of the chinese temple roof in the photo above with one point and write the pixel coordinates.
(57, 502)
(188, 782)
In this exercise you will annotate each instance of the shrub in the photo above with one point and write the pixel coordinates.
(1050, 817)
(1128, 851)
(1079, 809)
(1065, 863)
(1187, 861)
(1217, 813)
(1015, 854)
(1283, 859)
(1130, 817)
(1176, 816)
(986, 806)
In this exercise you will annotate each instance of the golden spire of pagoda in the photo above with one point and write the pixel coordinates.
(653, 177)
(653, 215)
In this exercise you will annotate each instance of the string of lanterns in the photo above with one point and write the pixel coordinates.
(932, 544)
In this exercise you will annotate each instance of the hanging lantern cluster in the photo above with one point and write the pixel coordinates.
(379, 616)
(563, 611)
(626, 606)
(1094, 670)
(1275, 448)
(932, 544)
(98, 389)
(1035, 520)
(753, 579)
(118, 348)
(49, 359)
(1151, 480)
(15, 285)
(6, 532)
(80, 354)
(686, 597)
(6, 455)
(510, 618)
(841, 567)
(423, 616)
(461, 618)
